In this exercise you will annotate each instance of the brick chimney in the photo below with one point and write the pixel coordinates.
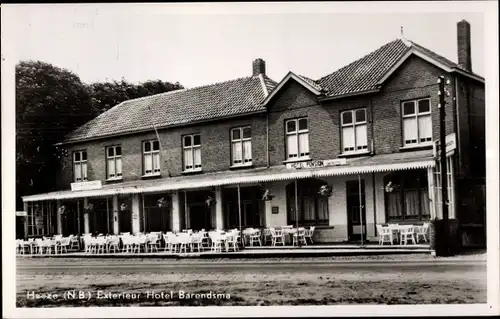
(463, 41)
(258, 67)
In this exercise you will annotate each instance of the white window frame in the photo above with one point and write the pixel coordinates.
(117, 175)
(244, 161)
(416, 115)
(152, 152)
(82, 162)
(354, 124)
(297, 132)
(192, 148)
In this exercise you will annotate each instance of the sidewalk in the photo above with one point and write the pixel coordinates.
(264, 252)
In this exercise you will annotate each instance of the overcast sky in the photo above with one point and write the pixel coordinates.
(106, 42)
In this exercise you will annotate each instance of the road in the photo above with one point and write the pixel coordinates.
(256, 282)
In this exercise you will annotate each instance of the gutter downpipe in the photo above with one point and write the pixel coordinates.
(373, 173)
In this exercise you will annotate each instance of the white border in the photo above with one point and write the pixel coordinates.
(489, 8)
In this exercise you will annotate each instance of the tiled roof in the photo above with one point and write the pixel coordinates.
(363, 74)
(311, 82)
(218, 100)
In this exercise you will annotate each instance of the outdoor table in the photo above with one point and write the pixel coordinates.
(288, 232)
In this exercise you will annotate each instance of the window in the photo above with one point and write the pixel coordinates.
(39, 222)
(438, 187)
(241, 146)
(312, 208)
(407, 196)
(114, 162)
(80, 165)
(297, 138)
(417, 123)
(192, 152)
(151, 157)
(354, 133)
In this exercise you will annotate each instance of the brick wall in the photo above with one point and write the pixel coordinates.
(215, 150)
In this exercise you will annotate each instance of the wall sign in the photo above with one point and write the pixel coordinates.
(316, 164)
(275, 209)
(451, 145)
(21, 213)
(83, 186)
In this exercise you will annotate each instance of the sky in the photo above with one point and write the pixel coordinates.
(198, 47)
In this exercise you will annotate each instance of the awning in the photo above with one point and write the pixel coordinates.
(362, 165)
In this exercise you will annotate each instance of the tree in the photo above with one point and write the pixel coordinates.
(50, 102)
(105, 95)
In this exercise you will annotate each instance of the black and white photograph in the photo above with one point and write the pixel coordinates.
(166, 158)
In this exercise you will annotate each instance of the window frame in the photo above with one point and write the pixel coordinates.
(416, 115)
(114, 157)
(81, 162)
(152, 152)
(297, 133)
(353, 124)
(192, 147)
(241, 141)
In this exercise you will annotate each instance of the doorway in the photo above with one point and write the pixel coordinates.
(356, 211)
(199, 216)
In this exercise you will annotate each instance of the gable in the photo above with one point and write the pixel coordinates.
(292, 95)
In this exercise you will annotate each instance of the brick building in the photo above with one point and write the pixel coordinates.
(206, 157)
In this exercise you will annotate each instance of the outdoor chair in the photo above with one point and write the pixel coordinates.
(184, 242)
(232, 240)
(277, 236)
(309, 233)
(113, 242)
(197, 241)
(128, 243)
(422, 232)
(58, 237)
(383, 234)
(74, 242)
(19, 247)
(267, 237)
(63, 245)
(171, 242)
(100, 244)
(407, 233)
(49, 245)
(216, 240)
(255, 237)
(37, 246)
(153, 242)
(31, 244)
(299, 236)
(141, 243)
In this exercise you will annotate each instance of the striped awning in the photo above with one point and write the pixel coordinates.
(364, 165)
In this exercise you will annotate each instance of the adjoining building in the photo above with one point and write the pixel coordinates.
(345, 152)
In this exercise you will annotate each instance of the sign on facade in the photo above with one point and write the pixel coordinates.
(315, 164)
(275, 209)
(83, 186)
(22, 213)
(451, 145)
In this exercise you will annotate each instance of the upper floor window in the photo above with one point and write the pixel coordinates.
(80, 165)
(191, 145)
(114, 162)
(354, 132)
(417, 123)
(151, 157)
(241, 146)
(297, 138)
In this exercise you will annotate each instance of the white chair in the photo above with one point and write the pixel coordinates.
(63, 244)
(128, 243)
(74, 242)
(277, 236)
(113, 242)
(232, 240)
(217, 241)
(422, 232)
(152, 242)
(267, 237)
(197, 241)
(255, 237)
(309, 234)
(184, 241)
(299, 236)
(383, 234)
(407, 232)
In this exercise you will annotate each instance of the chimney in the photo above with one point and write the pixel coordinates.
(463, 42)
(258, 67)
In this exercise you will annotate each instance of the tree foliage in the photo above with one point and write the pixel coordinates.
(50, 103)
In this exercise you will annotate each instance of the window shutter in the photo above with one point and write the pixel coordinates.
(291, 145)
(361, 137)
(304, 144)
(247, 151)
(425, 128)
(348, 139)
(410, 130)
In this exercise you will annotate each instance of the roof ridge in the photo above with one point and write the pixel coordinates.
(361, 58)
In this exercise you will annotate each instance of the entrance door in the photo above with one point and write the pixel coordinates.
(356, 213)
(199, 217)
